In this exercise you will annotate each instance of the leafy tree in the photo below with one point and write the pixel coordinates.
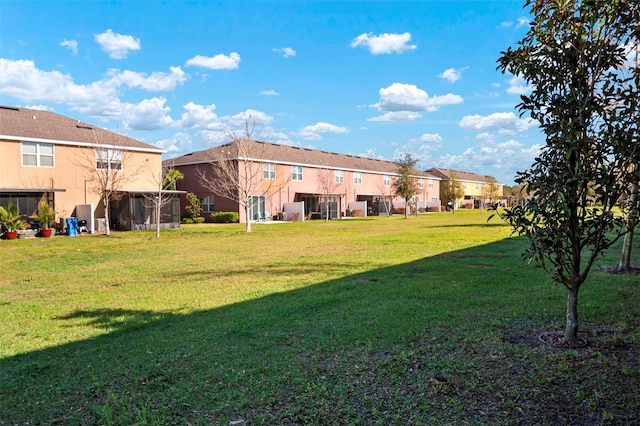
(491, 190)
(194, 208)
(585, 97)
(406, 184)
(451, 191)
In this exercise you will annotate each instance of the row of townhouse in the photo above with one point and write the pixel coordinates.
(47, 157)
(309, 183)
(479, 191)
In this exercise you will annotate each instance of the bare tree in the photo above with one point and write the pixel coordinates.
(164, 182)
(327, 186)
(104, 169)
(238, 171)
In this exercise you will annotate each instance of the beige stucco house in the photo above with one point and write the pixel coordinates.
(45, 156)
(476, 187)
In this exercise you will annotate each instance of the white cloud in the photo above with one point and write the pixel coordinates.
(504, 122)
(506, 24)
(519, 86)
(286, 51)
(522, 22)
(452, 75)
(154, 82)
(201, 117)
(178, 143)
(269, 93)
(218, 62)
(117, 46)
(397, 116)
(72, 45)
(313, 132)
(149, 114)
(501, 160)
(384, 43)
(408, 97)
(250, 116)
(23, 80)
(431, 138)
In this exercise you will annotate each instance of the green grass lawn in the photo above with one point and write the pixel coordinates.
(378, 321)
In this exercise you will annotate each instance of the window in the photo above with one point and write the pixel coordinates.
(207, 204)
(420, 183)
(35, 154)
(296, 172)
(430, 183)
(357, 177)
(268, 171)
(338, 176)
(108, 159)
(464, 185)
(477, 186)
(386, 180)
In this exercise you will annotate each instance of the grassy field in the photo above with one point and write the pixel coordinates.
(379, 321)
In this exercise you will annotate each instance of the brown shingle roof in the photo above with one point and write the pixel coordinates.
(46, 125)
(287, 154)
(446, 174)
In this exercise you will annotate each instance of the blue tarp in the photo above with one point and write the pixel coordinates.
(72, 226)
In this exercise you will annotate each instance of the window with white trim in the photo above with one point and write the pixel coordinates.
(357, 177)
(296, 172)
(420, 183)
(108, 159)
(430, 183)
(207, 204)
(268, 171)
(386, 180)
(338, 176)
(36, 154)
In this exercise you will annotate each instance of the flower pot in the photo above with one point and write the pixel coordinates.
(46, 233)
(11, 235)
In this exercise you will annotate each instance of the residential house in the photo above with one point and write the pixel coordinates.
(323, 183)
(477, 188)
(48, 157)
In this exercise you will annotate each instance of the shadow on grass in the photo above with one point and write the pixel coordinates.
(410, 344)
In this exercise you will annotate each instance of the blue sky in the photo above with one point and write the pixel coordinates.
(377, 78)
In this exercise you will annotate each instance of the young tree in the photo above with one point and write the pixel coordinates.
(406, 184)
(490, 190)
(327, 186)
(237, 171)
(194, 208)
(632, 221)
(164, 181)
(452, 190)
(103, 170)
(574, 57)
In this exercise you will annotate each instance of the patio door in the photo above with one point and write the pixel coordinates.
(257, 207)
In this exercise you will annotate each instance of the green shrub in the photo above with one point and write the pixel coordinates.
(199, 219)
(187, 220)
(225, 217)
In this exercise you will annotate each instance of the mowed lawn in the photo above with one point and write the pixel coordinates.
(377, 321)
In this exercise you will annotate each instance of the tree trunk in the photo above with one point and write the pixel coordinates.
(107, 219)
(247, 219)
(627, 245)
(158, 215)
(571, 329)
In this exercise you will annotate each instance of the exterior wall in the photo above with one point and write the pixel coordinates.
(283, 189)
(70, 175)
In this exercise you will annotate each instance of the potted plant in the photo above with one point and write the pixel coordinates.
(10, 221)
(24, 225)
(45, 215)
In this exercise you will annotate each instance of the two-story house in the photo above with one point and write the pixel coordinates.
(479, 191)
(48, 157)
(325, 183)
